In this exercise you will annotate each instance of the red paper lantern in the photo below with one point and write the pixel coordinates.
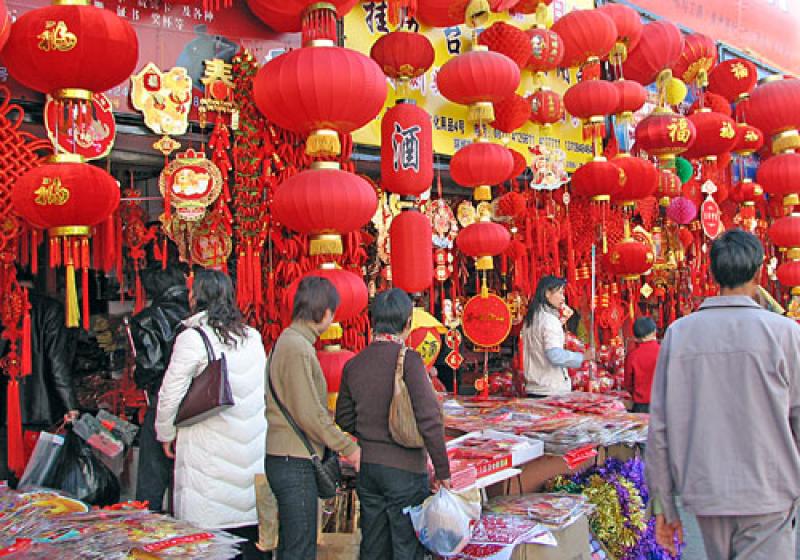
(477, 78)
(5, 24)
(785, 232)
(410, 236)
(598, 179)
(547, 49)
(324, 201)
(403, 55)
(733, 79)
(669, 185)
(480, 165)
(641, 179)
(712, 101)
(747, 193)
(586, 34)
(332, 361)
(629, 29)
(591, 99)
(630, 259)
(715, 134)
(483, 240)
(511, 113)
(406, 150)
(664, 134)
(520, 164)
(546, 107)
(780, 176)
(71, 47)
(788, 274)
(352, 291)
(300, 91)
(292, 16)
(508, 40)
(632, 95)
(774, 107)
(659, 48)
(749, 140)
(698, 56)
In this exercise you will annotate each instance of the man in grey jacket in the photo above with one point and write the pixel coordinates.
(725, 417)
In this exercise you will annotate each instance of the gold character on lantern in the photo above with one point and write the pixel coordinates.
(679, 131)
(56, 37)
(51, 193)
(739, 71)
(751, 136)
(727, 130)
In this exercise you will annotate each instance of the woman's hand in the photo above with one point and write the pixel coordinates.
(169, 449)
(438, 484)
(354, 459)
(566, 313)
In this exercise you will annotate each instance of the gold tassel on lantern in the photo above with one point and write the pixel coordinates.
(72, 311)
(323, 142)
(326, 244)
(482, 111)
(477, 13)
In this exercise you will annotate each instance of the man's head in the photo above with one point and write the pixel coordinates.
(644, 328)
(315, 302)
(736, 259)
(158, 280)
(391, 312)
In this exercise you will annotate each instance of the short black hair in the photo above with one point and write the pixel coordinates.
(315, 295)
(643, 326)
(736, 256)
(390, 311)
(157, 280)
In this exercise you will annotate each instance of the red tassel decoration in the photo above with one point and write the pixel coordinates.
(257, 283)
(26, 367)
(85, 281)
(16, 452)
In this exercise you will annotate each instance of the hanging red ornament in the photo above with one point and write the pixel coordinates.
(520, 164)
(406, 150)
(774, 107)
(712, 101)
(715, 134)
(508, 40)
(681, 210)
(641, 179)
(632, 96)
(353, 295)
(410, 235)
(403, 55)
(598, 179)
(483, 240)
(784, 233)
(591, 101)
(480, 165)
(749, 140)
(529, 6)
(511, 113)
(317, 20)
(660, 46)
(664, 134)
(332, 359)
(587, 35)
(733, 79)
(669, 186)
(747, 193)
(698, 56)
(629, 29)
(546, 107)
(788, 274)
(630, 258)
(780, 177)
(5, 24)
(547, 49)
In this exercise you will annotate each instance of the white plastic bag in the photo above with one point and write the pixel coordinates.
(443, 522)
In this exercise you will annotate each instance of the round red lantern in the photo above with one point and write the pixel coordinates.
(785, 234)
(511, 113)
(403, 55)
(324, 201)
(406, 150)
(598, 179)
(664, 134)
(480, 165)
(629, 29)
(352, 291)
(410, 236)
(733, 79)
(698, 56)
(774, 107)
(669, 186)
(477, 78)
(630, 259)
(71, 49)
(659, 48)
(332, 360)
(292, 16)
(508, 40)
(780, 176)
(483, 240)
(587, 34)
(5, 24)
(520, 164)
(749, 139)
(591, 101)
(546, 107)
(641, 179)
(300, 91)
(788, 274)
(712, 101)
(715, 134)
(547, 49)
(747, 193)
(632, 96)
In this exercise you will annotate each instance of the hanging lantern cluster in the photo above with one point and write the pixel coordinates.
(589, 36)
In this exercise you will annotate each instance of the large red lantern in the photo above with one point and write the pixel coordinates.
(403, 55)
(749, 140)
(630, 259)
(511, 113)
(480, 165)
(698, 56)
(5, 24)
(664, 134)
(406, 150)
(632, 96)
(641, 179)
(546, 107)
(324, 201)
(785, 233)
(508, 40)
(658, 49)
(629, 29)
(353, 295)
(598, 179)
(477, 78)
(300, 91)
(780, 176)
(733, 79)
(774, 107)
(591, 101)
(410, 238)
(587, 34)
(316, 19)
(483, 240)
(547, 49)
(715, 134)
(71, 49)
(788, 274)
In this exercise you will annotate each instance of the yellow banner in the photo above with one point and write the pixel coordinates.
(368, 21)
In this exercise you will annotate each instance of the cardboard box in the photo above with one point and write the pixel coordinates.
(573, 544)
(338, 546)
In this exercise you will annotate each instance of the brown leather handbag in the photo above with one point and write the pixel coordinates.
(210, 391)
(402, 422)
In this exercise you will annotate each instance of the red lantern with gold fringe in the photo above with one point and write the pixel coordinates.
(410, 236)
(511, 113)
(480, 165)
(547, 49)
(733, 79)
(664, 134)
(641, 179)
(406, 150)
(658, 49)
(698, 56)
(598, 179)
(586, 34)
(749, 140)
(629, 29)
(483, 240)
(546, 107)
(774, 107)
(403, 55)
(715, 134)
(780, 177)
(788, 274)
(508, 40)
(591, 101)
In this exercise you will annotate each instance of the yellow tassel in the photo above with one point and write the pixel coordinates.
(323, 142)
(486, 262)
(332, 398)
(326, 244)
(334, 332)
(619, 53)
(787, 140)
(73, 314)
(482, 192)
(791, 200)
(541, 14)
(482, 111)
(477, 13)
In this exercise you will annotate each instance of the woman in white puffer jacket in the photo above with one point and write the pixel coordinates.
(217, 459)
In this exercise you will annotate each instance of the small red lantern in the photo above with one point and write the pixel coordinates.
(747, 193)
(410, 236)
(630, 259)
(632, 95)
(299, 91)
(546, 107)
(591, 101)
(629, 29)
(483, 240)
(641, 179)
(477, 78)
(598, 179)
(669, 186)
(774, 107)
(587, 34)
(332, 360)
(511, 113)
(324, 201)
(480, 165)
(658, 49)
(698, 56)
(547, 49)
(788, 274)
(749, 139)
(733, 79)
(715, 134)
(508, 40)
(403, 55)
(664, 134)
(785, 233)
(780, 176)
(406, 150)
(353, 295)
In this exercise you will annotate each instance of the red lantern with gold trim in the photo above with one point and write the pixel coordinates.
(480, 165)
(664, 134)
(547, 49)
(785, 233)
(508, 40)
(715, 134)
(406, 150)
(658, 49)
(712, 101)
(403, 55)
(483, 240)
(598, 179)
(591, 101)
(774, 107)
(641, 179)
(698, 56)
(511, 113)
(546, 107)
(733, 79)
(780, 176)
(788, 274)
(587, 34)
(749, 140)
(629, 29)
(669, 186)
(630, 259)
(410, 236)
(632, 97)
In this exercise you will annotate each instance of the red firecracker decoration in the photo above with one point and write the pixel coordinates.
(641, 179)
(698, 56)
(546, 107)
(587, 34)
(664, 134)
(658, 49)
(483, 240)
(411, 237)
(733, 79)
(774, 107)
(406, 150)
(511, 113)
(712, 101)
(547, 49)
(715, 134)
(780, 177)
(403, 55)
(629, 29)
(480, 165)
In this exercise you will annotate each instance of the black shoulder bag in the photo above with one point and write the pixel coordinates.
(327, 471)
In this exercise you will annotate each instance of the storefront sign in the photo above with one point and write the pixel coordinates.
(92, 140)
(486, 321)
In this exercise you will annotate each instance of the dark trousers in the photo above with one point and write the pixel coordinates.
(155, 469)
(641, 408)
(295, 488)
(386, 532)
(248, 550)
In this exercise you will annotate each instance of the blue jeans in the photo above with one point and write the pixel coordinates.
(386, 532)
(295, 488)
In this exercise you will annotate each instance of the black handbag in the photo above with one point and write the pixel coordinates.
(326, 471)
(209, 393)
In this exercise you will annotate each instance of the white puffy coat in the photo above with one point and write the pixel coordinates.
(216, 459)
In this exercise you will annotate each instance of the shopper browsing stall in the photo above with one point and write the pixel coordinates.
(640, 363)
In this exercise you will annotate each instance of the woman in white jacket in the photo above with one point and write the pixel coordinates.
(217, 459)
